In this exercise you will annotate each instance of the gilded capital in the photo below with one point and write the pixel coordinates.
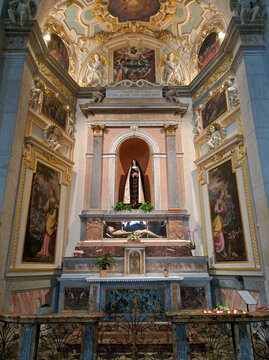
(170, 129)
(98, 129)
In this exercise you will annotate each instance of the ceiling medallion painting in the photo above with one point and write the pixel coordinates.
(122, 14)
(131, 10)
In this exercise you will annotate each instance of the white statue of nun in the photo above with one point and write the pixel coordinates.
(134, 187)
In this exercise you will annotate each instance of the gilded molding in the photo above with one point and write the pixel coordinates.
(31, 156)
(170, 129)
(97, 129)
(224, 67)
(55, 81)
(250, 212)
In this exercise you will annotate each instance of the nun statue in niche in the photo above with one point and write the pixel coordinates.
(134, 193)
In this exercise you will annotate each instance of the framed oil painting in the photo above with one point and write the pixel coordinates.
(215, 107)
(133, 64)
(133, 10)
(226, 218)
(208, 49)
(42, 219)
(58, 50)
(54, 110)
(144, 229)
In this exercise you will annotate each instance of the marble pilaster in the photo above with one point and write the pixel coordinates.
(173, 194)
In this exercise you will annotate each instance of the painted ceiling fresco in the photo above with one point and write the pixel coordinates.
(165, 26)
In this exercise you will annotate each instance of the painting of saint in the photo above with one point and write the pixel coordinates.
(226, 219)
(42, 220)
(208, 49)
(134, 64)
(214, 108)
(58, 50)
(143, 229)
(133, 10)
(54, 110)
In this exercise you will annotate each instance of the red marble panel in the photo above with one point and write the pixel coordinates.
(93, 229)
(176, 229)
(27, 302)
(175, 266)
(234, 300)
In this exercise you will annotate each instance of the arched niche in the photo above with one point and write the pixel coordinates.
(134, 148)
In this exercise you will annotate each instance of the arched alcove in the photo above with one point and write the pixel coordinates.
(134, 148)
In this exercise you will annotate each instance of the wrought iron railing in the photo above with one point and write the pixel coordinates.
(182, 335)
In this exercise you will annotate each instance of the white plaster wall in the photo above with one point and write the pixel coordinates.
(78, 179)
(190, 177)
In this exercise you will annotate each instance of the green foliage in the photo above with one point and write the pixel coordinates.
(122, 207)
(191, 246)
(146, 207)
(105, 258)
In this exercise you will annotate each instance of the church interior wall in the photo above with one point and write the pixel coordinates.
(251, 80)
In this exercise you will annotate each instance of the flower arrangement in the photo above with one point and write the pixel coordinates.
(120, 206)
(190, 232)
(78, 253)
(146, 207)
(134, 237)
(105, 258)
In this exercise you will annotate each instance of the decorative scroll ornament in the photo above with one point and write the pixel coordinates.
(167, 10)
(170, 129)
(98, 129)
(53, 136)
(96, 96)
(55, 81)
(225, 66)
(215, 135)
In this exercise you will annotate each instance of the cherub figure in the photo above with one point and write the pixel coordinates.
(172, 71)
(95, 72)
(247, 9)
(35, 94)
(23, 10)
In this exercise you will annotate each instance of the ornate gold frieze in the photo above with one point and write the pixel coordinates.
(170, 129)
(98, 129)
(55, 81)
(224, 67)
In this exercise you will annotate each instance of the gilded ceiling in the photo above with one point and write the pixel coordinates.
(168, 29)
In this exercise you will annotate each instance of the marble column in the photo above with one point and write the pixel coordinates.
(173, 195)
(95, 201)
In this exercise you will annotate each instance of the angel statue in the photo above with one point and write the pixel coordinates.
(246, 9)
(19, 11)
(172, 70)
(96, 70)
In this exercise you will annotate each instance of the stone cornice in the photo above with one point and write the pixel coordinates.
(131, 108)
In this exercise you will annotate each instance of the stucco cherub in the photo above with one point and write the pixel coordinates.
(35, 94)
(172, 72)
(96, 71)
(21, 10)
(247, 9)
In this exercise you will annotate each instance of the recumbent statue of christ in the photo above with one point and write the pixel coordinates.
(134, 193)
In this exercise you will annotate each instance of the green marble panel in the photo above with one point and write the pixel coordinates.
(195, 19)
(70, 20)
(123, 301)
